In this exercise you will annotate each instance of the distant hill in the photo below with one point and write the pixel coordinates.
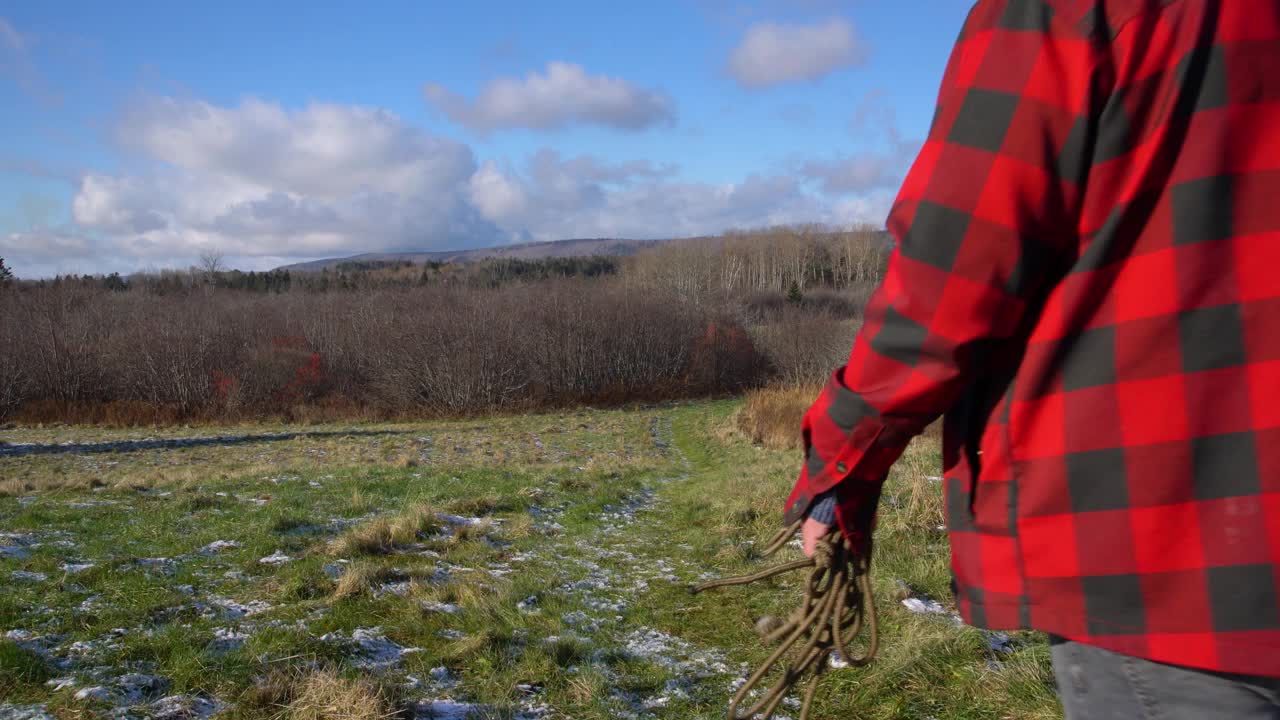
(524, 251)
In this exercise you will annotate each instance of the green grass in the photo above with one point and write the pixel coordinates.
(372, 546)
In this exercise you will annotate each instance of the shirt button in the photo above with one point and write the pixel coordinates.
(841, 468)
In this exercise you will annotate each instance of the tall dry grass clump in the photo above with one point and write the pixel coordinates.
(320, 695)
(381, 536)
(324, 695)
(771, 416)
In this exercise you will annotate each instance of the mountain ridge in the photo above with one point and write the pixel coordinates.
(574, 247)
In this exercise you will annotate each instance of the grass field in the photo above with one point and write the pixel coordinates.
(530, 567)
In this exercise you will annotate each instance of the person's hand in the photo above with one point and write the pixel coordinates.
(810, 533)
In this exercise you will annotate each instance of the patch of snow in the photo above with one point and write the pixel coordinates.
(229, 609)
(96, 693)
(130, 689)
(164, 566)
(399, 589)
(443, 677)
(446, 710)
(999, 642)
(459, 520)
(184, 707)
(61, 683)
(924, 607)
(17, 545)
(929, 606)
(226, 640)
(24, 712)
(581, 621)
(218, 546)
(277, 558)
(28, 577)
(74, 568)
(374, 650)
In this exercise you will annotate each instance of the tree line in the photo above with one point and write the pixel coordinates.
(682, 319)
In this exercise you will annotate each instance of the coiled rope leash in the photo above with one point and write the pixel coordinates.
(837, 604)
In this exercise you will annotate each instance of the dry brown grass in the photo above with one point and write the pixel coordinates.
(361, 578)
(371, 538)
(771, 416)
(319, 695)
(359, 503)
(381, 536)
(917, 503)
(405, 461)
(323, 695)
(356, 580)
(477, 505)
(414, 523)
(520, 527)
(472, 532)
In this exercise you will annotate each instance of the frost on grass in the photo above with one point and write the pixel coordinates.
(218, 546)
(433, 606)
(17, 546)
(929, 606)
(228, 609)
(24, 712)
(184, 707)
(454, 710)
(161, 565)
(226, 640)
(130, 689)
(276, 558)
(371, 649)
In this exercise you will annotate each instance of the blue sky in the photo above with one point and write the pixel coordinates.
(141, 135)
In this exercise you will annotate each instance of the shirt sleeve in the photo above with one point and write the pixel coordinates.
(980, 227)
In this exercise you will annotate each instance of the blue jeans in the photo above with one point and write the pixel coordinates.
(1097, 684)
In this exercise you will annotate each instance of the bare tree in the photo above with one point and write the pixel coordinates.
(211, 263)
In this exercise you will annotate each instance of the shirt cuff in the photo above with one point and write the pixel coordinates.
(823, 509)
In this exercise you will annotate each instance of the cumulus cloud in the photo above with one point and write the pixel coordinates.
(773, 54)
(44, 252)
(561, 96)
(263, 185)
(260, 180)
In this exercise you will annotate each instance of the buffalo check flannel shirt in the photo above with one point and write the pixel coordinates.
(1086, 286)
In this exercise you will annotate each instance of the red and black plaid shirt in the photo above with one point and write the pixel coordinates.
(1087, 286)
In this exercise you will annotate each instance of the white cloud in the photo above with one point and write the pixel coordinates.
(265, 185)
(773, 54)
(260, 180)
(563, 95)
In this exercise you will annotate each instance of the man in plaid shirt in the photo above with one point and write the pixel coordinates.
(1086, 284)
